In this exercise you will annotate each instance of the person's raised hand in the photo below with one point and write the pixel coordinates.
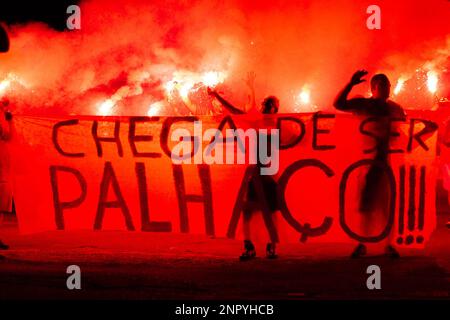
(357, 77)
(250, 79)
(8, 116)
(210, 91)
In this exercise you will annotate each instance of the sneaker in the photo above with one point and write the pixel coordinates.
(249, 251)
(392, 252)
(359, 251)
(3, 246)
(270, 251)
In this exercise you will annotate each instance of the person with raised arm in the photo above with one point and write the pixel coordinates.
(270, 105)
(374, 197)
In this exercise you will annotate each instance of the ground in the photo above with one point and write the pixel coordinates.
(119, 265)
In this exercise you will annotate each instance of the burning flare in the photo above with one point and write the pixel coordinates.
(106, 107)
(185, 81)
(6, 83)
(154, 109)
(304, 97)
(432, 81)
(399, 86)
(213, 78)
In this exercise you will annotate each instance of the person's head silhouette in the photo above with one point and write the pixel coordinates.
(4, 40)
(380, 86)
(270, 105)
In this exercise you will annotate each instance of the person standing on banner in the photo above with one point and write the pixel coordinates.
(375, 196)
(270, 105)
(5, 117)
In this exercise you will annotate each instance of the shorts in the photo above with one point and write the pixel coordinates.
(269, 188)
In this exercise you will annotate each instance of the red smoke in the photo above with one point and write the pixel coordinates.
(128, 50)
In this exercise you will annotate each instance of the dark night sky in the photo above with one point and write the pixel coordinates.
(51, 12)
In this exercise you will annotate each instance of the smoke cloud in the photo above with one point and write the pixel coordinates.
(127, 52)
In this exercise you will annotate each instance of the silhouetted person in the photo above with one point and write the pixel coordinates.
(374, 195)
(4, 47)
(270, 105)
(4, 40)
(446, 167)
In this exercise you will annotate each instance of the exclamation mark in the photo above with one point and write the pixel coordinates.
(412, 198)
(401, 206)
(411, 204)
(422, 191)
